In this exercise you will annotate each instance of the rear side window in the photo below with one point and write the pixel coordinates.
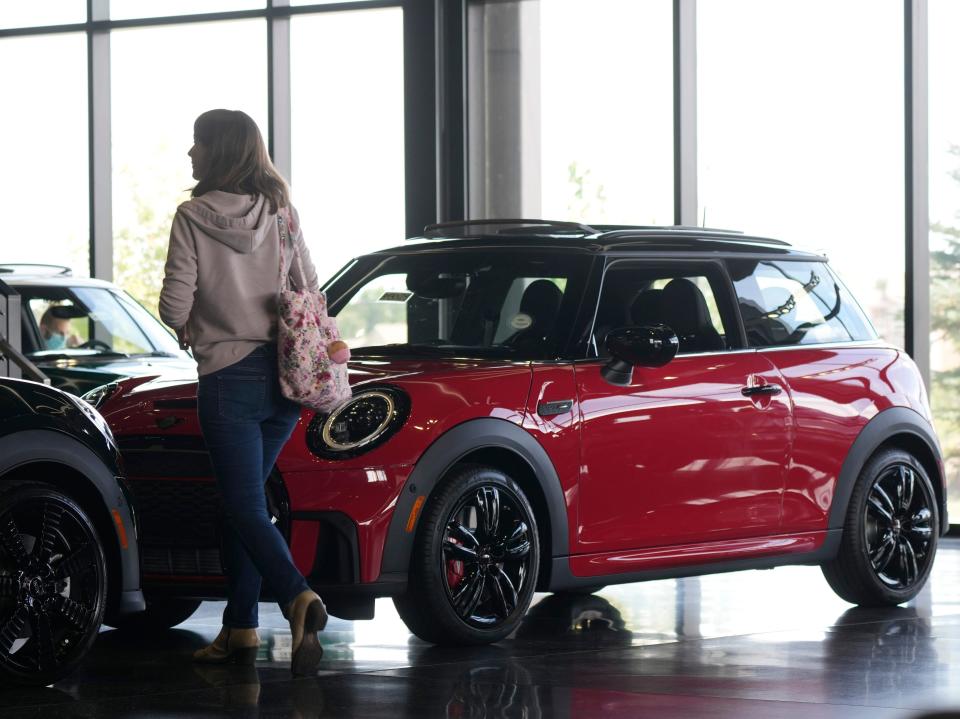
(795, 303)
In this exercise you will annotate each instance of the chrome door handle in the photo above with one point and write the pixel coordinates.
(763, 389)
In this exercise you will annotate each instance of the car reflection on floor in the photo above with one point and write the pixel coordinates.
(744, 644)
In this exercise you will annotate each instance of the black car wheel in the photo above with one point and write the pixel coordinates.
(890, 534)
(53, 583)
(475, 561)
(162, 613)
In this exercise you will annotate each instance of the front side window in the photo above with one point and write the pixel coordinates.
(513, 305)
(795, 303)
(95, 320)
(685, 297)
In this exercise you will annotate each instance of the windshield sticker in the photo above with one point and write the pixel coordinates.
(521, 321)
(395, 296)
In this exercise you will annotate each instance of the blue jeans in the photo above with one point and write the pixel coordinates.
(245, 422)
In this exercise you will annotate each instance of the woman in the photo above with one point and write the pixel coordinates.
(220, 288)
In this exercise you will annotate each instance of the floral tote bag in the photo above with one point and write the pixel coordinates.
(308, 375)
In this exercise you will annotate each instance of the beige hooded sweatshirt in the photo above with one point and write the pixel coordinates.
(222, 275)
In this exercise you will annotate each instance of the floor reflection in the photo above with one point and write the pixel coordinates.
(762, 643)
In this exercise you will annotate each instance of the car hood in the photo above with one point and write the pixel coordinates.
(80, 374)
(442, 395)
(365, 372)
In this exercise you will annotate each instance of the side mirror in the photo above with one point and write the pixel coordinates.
(629, 347)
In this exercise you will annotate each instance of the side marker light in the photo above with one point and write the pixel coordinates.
(121, 530)
(415, 512)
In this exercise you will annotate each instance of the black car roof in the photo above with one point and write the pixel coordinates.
(619, 239)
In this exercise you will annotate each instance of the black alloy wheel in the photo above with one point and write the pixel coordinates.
(475, 561)
(890, 536)
(52, 583)
(897, 527)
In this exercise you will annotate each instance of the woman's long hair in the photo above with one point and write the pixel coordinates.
(236, 158)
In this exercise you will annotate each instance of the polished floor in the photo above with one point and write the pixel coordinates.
(774, 644)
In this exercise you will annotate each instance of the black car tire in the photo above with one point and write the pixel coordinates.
(53, 583)
(162, 613)
(890, 533)
(485, 509)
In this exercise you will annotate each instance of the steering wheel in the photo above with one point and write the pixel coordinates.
(94, 345)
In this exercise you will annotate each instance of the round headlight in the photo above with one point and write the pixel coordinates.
(360, 424)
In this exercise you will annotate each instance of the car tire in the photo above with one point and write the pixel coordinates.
(475, 560)
(162, 613)
(890, 533)
(53, 583)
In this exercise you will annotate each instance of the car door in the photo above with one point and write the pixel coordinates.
(693, 451)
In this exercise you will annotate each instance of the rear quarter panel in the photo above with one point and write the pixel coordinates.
(835, 391)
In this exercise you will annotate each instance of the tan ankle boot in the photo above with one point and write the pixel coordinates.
(232, 646)
(307, 616)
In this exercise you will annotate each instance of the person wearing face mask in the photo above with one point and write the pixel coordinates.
(56, 331)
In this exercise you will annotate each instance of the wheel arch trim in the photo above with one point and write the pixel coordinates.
(40, 446)
(449, 449)
(889, 424)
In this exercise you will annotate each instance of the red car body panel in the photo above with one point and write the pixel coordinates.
(366, 488)
(835, 392)
(558, 434)
(681, 455)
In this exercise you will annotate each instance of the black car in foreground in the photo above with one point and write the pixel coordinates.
(69, 557)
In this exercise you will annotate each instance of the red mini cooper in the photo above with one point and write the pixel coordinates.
(556, 407)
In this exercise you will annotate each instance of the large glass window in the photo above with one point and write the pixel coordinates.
(571, 110)
(45, 187)
(944, 142)
(36, 14)
(801, 136)
(347, 132)
(154, 107)
(126, 9)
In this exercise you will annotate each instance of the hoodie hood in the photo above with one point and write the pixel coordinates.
(238, 221)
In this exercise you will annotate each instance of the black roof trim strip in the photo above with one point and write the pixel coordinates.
(437, 230)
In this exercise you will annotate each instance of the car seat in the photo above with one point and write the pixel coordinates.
(541, 303)
(685, 312)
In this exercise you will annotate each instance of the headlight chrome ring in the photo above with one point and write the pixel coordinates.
(360, 424)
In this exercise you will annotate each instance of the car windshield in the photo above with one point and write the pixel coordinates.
(468, 303)
(90, 320)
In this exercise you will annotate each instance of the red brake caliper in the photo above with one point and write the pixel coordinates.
(455, 570)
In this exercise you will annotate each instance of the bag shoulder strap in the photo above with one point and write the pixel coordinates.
(282, 225)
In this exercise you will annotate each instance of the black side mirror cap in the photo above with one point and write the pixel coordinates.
(646, 346)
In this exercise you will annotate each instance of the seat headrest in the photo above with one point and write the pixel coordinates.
(647, 308)
(541, 300)
(685, 308)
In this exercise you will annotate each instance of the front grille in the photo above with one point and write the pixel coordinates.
(178, 512)
(178, 504)
(181, 561)
(156, 459)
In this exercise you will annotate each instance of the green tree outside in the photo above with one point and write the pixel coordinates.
(945, 327)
